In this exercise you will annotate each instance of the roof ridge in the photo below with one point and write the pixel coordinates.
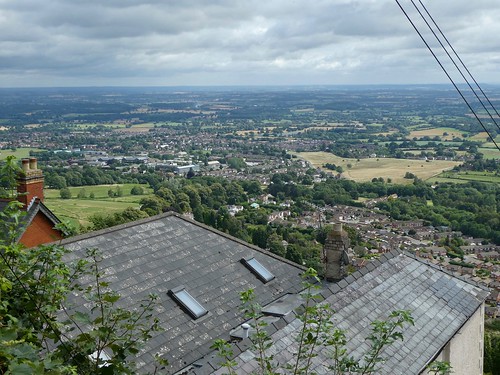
(182, 217)
(114, 228)
(241, 242)
(448, 272)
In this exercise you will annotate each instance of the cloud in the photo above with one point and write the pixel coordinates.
(148, 42)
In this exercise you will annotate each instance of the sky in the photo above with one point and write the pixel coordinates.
(57, 43)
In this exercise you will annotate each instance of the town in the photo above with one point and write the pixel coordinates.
(276, 176)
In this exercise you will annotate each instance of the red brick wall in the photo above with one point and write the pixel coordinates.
(39, 232)
(28, 189)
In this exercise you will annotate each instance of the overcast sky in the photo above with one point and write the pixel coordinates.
(233, 42)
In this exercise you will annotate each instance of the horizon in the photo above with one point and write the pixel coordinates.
(257, 86)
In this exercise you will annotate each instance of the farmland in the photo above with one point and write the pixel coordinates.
(78, 210)
(367, 169)
(18, 153)
(463, 177)
(445, 134)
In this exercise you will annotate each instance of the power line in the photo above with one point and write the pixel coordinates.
(459, 59)
(454, 62)
(446, 72)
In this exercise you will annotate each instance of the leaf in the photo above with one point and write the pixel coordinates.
(80, 317)
(20, 369)
(111, 298)
(8, 334)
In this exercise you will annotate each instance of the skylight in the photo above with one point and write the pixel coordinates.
(188, 302)
(258, 269)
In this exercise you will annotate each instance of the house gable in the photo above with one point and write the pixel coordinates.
(37, 227)
(40, 231)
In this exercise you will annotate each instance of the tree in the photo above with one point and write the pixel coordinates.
(35, 288)
(137, 190)
(190, 173)
(102, 221)
(82, 194)
(65, 193)
(316, 332)
(8, 173)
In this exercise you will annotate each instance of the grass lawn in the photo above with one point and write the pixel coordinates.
(19, 153)
(367, 169)
(78, 210)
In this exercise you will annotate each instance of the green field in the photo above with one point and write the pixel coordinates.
(77, 211)
(490, 153)
(367, 169)
(463, 177)
(18, 153)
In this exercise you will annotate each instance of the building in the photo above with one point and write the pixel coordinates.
(38, 226)
(448, 316)
(199, 272)
(170, 255)
(184, 169)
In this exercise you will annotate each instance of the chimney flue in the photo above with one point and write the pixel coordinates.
(335, 253)
(29, 183)
(246, 329)
(25, 164)
(33, 164)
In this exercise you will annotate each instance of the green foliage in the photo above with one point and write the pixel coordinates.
(137, 190)
(82, 194)
(317, 332)
(492, 349)
(34, 290)
(439, 368)
(8, 173)
(107, 328)
(225, 351)
(65, 193)
(236, 163)
(102, 221)
(260, 338)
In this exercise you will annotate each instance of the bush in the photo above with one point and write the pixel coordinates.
(137, 190)
(65, 193)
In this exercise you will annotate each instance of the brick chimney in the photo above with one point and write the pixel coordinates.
(29, 182)
(335, 253)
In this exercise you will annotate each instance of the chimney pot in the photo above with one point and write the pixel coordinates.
(25, 164)
(337, 228)
(33, 164)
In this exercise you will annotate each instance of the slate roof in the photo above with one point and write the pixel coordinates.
(163, 252)
(439, 303)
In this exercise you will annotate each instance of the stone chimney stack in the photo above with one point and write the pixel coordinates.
(335, 253)
(29, 183)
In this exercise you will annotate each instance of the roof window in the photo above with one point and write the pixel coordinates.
(258, 269)
(188, 302)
